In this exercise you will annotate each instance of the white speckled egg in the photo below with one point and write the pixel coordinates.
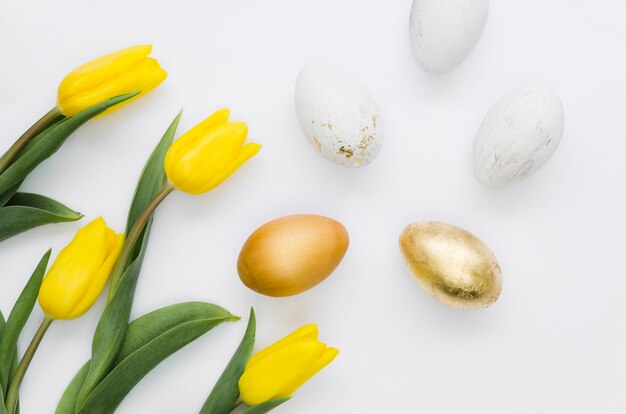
(338, 116)
(444, 32)
(518, 135)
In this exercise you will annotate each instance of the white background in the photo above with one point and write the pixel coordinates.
(555, 342)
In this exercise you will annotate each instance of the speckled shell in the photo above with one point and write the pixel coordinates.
(338, 116)
(518, 136)
(444, 32)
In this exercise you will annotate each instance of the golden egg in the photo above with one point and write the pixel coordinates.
(292, 254)
(451, 264)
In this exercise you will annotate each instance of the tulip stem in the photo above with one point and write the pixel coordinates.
(7, 159)
(133, 237)
(11, 399)
(236, 405)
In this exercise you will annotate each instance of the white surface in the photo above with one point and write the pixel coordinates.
(555, 341)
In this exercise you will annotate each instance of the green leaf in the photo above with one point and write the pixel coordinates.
(67, 403)
(7, 195)
(113, 323)
(33, 140)
(17, 319)
(111, 329)
(151, 180)
(3, 408)
(42, 203)
(2, 324)
(110, 392)
(226, 390)
(150, 183)
(266, 406)
(25, 211)
(140, 332)
(151, 325)
(14, 366)
(49, 141)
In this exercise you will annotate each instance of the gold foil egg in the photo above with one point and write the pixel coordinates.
(292, 254)
(451, 264)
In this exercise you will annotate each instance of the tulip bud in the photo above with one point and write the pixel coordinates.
(125, 71)
(280, 369)
(207, 154)
(80, 272)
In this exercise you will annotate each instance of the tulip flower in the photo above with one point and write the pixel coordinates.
(125, 71)
(80, 272)
(72, 285)
(208, 154)
(280, 369)
(197, 162)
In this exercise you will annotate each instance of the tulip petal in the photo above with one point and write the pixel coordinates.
(144, 76)
(303, 369)
(72, 273)
(203, 158)
(175, 166)
(309, 331)
(204, 145)
(216, 118)
(209, 153)
(215, 158)
(148, 76)
(246, 152)
(100, 278)
(326, 358)
(101, 70)
(280, 373)
(186, 141)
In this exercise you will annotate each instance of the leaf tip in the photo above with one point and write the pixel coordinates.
(251, 328)
(47, 254)
(176, 120)
(45, 258)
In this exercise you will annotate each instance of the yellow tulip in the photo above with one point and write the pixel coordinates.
(280, 369)
(80, 272)
(206, 155)
(125, 71)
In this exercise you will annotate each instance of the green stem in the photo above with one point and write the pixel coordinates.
(11, 399)
(236, 405)
(7, 159)
(133, 236)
